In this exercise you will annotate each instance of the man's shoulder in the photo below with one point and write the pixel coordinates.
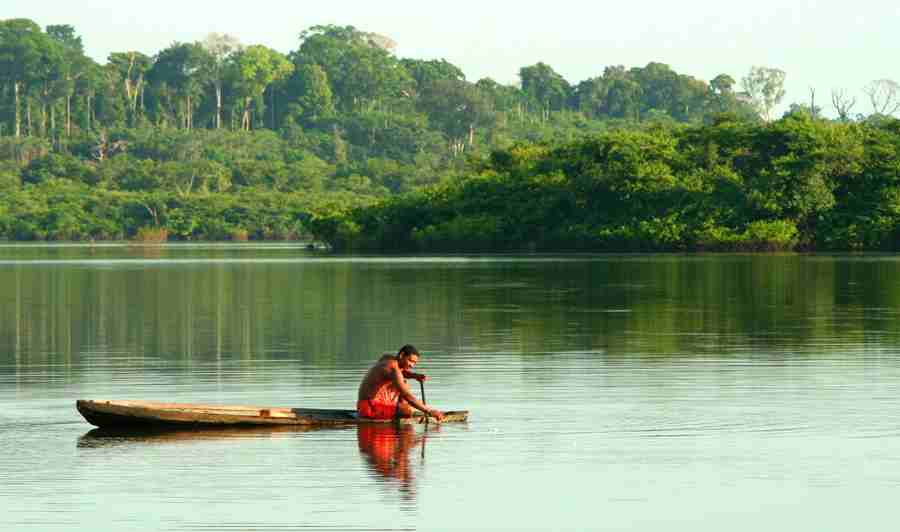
(387, 361)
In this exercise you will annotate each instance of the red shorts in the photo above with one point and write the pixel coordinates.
(375, 410)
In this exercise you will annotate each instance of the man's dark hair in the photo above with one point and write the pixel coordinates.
(408, 350)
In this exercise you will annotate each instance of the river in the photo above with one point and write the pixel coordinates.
(607, 392)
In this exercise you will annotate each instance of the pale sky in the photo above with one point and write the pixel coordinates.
(820, 44)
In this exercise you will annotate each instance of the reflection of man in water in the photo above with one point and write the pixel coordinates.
(386, 448)
(383, 392)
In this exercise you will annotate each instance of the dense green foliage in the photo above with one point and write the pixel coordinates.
(797, 183)
(343, 141)
(338, 122)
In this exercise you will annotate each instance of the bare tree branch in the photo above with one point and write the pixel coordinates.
(884, 95)
(842, 104)
(814, 111)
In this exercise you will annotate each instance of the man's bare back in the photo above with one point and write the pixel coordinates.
(384, 391)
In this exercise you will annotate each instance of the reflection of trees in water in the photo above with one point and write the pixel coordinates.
(335, 313)
(387, 449)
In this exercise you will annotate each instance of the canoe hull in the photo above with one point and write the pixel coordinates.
(116, 414)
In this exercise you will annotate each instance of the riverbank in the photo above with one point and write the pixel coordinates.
(797, 184)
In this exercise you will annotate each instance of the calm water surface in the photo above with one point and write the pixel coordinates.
(607, 392)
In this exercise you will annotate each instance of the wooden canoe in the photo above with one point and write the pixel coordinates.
(111, 414)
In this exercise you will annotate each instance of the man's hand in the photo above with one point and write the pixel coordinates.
(436, 414)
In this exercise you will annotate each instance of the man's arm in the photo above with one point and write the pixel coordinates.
(397, 378)
(421, 377)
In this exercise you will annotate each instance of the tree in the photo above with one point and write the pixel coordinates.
(253, 69)
(842, 104)
(178, 71)
(791, 168)
(74, 65)
(90, 81)
(623, 99)
(500, 97)
(372, 76)
(220, 47)
(590, 95)
(107, 105)
(722, 84)
(314, 99)
(51, 77)
(429, 71)
(721, 94)
(802, 109)
(457, 107)
(26, 58)
(689, 98)
(657, 83)
(765, 87)
(44, 87)
(549, 90)
(665, 92)
(131, 68)
(884, 95)
(362, 73)
(381, 41)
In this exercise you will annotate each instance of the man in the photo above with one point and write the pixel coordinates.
(384, 394)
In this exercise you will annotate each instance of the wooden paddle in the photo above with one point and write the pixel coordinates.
(425, 435)
(422, 387)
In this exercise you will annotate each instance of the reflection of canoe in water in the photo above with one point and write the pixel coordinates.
(171, 434)
(143, 413)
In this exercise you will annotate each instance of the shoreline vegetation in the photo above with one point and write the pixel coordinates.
(344, 143)
(797, 184)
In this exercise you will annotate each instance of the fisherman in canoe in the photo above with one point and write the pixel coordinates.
(383, 392)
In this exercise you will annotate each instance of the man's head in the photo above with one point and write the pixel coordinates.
(408, 356)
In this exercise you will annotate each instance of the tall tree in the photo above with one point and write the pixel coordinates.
(131, 68)
(429, 71)
(721, 94)
(623, 99)
(722, 84)
(457, 107)
(658, 85)
(72, 67)
(691, 96)
(178, 72)
(24, 60)
(502, 98)
(362, 73)
(253, 69)
(314, 99)
(50, 76)
(87, 86)
(545, 87)
(765, 87)
(220, 47)
(589, 96)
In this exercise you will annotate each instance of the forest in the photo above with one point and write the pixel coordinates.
(343, 142)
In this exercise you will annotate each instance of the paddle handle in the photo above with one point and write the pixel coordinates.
(422, 387)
